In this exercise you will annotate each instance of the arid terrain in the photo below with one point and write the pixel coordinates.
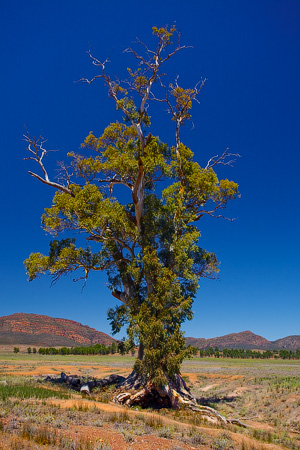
(35, 414)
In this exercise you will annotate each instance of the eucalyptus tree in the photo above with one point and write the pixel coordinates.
(149, 246)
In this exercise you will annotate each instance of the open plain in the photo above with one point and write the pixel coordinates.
(35, 414)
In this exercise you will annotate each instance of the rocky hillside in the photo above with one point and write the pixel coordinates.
(246, 340)
(35, 329)
(289, 343)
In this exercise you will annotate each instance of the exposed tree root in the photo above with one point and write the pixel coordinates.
(174, 394)
(133, 391)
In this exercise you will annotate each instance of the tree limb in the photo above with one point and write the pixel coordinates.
(35, 147)
(222, 159)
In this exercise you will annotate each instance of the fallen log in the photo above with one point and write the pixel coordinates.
(85, 385)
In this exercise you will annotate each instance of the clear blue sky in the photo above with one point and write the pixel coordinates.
(250, 53)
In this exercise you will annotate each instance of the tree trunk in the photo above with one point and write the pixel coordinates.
(140, 352)
(174, 394)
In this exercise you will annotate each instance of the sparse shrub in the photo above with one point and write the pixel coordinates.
(222, 442)
(154, 422)
(103, 395)
(59, 422)
(141, 429)
(128, 434)
(102, 446)
(17, 443)
(40, 435)
(197, 438)
(166, 432)
(122, 417)
(263, 435)
(126, 430)
(97, 423)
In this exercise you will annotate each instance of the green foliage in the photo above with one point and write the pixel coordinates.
(149, 246)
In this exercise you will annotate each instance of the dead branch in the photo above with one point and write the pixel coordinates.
(35, 147)
(216, 216)
(222, 159)
(63, 173)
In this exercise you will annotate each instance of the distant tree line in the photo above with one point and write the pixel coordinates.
(123, 348)
(97, 349)
(246, 354)
(29, 350)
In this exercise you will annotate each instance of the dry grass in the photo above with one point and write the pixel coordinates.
(35, 414)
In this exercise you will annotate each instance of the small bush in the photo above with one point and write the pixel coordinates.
(166, 432)
(197, 438)
(40, 435)
(222, 442)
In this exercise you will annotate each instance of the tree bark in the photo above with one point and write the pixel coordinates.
(140, 352)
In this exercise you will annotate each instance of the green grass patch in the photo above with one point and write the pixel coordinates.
(29, 391)
(27, 362)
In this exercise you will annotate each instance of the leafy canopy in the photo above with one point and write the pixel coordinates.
(148, 246)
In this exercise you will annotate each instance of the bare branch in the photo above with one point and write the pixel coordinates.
(63, 173)
(35, 147)
(181, 47)
(211, 214)
(222, 159)
(220, 216)
(86, 80)
(97, 63)
(140, 57)
(146, 47)
(51, 183)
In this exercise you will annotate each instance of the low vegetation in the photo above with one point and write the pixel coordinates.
(24, 425)
(264, 394)
(24, 390)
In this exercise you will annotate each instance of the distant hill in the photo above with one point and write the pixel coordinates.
(245, 340)
(35, 329)
(288, 343)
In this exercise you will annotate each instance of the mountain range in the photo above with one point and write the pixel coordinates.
(246, 340)
(45, 331)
